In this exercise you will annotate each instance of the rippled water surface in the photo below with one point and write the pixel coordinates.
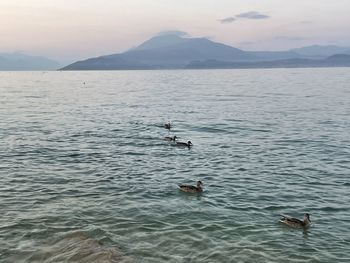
(86, 177)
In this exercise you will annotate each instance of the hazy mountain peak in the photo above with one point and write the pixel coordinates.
(161, 41)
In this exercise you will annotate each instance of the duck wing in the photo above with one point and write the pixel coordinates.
(188, 186)
(285, 218)
(183, 144)
(295, 220)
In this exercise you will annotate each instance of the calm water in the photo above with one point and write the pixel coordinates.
(86, 177)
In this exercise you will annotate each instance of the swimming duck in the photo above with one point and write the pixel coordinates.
(294, 222)
(170, 138)
(184, 144)
(192, 188)
(167, 126)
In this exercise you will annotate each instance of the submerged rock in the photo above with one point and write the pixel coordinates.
(78, 247)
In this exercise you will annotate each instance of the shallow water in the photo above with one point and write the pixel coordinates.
(86, 177)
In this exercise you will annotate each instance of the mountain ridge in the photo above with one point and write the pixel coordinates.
(176, 52)
(19, 61)
(338, 60)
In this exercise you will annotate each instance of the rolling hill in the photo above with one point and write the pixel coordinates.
(20, 61)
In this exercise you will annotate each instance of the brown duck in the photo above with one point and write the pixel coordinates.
(167, 126)
(184, 144)
(294, 222)
(192, 188)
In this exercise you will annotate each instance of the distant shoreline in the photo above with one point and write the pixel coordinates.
(203, 68)
(187, 69)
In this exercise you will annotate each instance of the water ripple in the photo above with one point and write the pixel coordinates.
(85, 175)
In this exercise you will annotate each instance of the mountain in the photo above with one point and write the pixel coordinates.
(175, 52)
(339, 60)
(275, 55)
(167, 51)
(112, 62)
(20, 61)
(317, 51)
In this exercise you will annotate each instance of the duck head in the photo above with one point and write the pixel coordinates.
(199, 184)
(307, 218)
(189, 143)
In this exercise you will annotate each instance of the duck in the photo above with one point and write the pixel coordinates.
(184, 144)
(170, 138)
(192, 188)
(167, 126)
(294, 222)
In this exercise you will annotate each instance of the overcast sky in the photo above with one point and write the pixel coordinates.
(74, 29)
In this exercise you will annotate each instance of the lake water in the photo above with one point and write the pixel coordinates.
(86, 177)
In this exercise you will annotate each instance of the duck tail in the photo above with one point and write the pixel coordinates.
(283, 218)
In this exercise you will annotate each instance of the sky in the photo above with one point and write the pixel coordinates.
(68, 30)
